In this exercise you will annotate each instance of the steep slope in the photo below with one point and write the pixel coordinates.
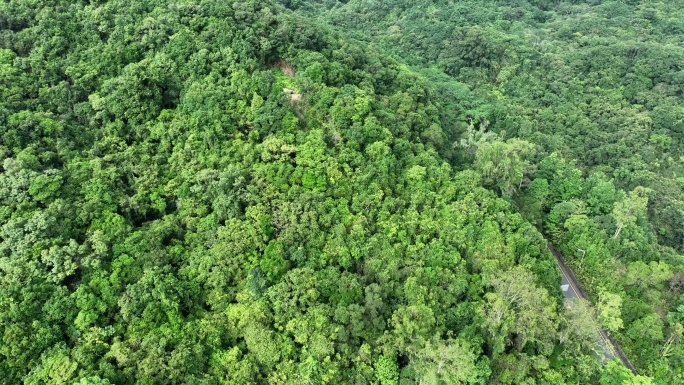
(171, 216)
(597, 87)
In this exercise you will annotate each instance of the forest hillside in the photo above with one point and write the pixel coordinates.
(597, 87)
(318, 192)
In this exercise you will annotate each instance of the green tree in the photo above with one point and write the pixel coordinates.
(387, 370)
(616, 374)
(503, 164)
(626, 211)
(609, 309)
(446, 362)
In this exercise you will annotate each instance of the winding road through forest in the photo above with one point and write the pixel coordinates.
(606, 347)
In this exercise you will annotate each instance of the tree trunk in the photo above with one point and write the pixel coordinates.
(617, 231)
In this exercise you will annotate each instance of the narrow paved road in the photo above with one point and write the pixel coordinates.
(603, 349)
(606, 348)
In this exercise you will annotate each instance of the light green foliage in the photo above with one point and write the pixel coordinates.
(601, 194)
(55, 367)
(503, 164)
(93, 381)
(580, 326)
(616, 374)
(519, 307)
(412, 326)
(609, 309)
(539, 190)
(445, 362)
(627, 211)
(386, 370)
(565, 181)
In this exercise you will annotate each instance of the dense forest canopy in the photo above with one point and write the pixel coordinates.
(171, 216)
(597, 87)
